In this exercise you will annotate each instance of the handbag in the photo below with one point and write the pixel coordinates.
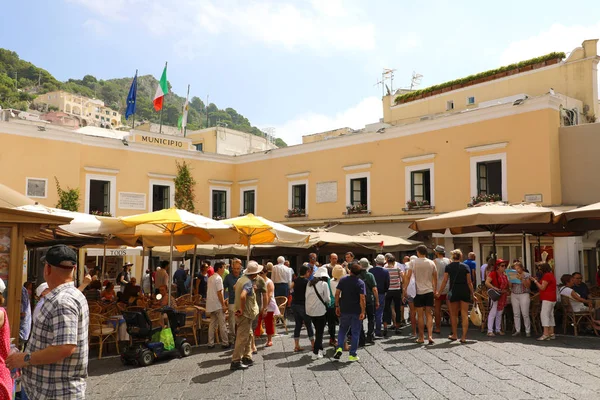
(476, 315)
(493, 294)
(166, 337)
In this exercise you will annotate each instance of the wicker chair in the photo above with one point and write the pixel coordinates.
(535, 308)
(482, 302)
(184, 300)
(103, 330)
(191, 321)
(281, 304)
(111, 309)
(575, 318)
(95, 308)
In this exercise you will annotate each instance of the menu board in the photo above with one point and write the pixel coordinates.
(5, 234)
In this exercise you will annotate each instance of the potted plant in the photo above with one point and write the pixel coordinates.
(485, 198)
(356, 209)
(296, 212)
(417, 205)
(101, 213)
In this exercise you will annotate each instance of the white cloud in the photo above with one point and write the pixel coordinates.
(557, 38)
(317, 25)
(369, 110)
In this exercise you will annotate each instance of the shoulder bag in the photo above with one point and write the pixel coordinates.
(319, 296)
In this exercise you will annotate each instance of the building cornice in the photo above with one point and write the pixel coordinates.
(220, 182)
(423, 157)
(486, 147)
(357, 166)
(248, 182)
(101, 170)
(161, 176)
(297, 175)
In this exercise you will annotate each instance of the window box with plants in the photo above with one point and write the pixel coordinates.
(414, 205)
(484, 198)
(357, 209)
(101, 213)
(219, 217)
(296, 213)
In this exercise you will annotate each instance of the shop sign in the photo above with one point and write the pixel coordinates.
(114, 252)
(533, 198)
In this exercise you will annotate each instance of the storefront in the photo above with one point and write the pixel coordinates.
(15, 227)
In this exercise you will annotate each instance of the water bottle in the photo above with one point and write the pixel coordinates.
(15, 373)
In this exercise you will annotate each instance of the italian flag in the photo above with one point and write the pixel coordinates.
(161, 91)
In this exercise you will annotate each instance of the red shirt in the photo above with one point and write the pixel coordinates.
(211, 271)
(550, 293)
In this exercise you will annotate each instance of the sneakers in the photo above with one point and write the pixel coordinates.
(517, 333)
(527, 334)
(235, 366)
(247, 361)
(385, 333)
(315, 356)
(338, 354)
(320, 354)
(353, 358)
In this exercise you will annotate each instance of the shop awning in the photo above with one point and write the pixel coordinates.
(396, 229)
(10, 198)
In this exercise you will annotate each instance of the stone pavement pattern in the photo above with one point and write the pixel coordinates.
(394, 368)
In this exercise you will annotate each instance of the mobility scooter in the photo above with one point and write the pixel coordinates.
(144, 351)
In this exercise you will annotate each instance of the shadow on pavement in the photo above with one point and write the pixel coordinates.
(214, 363)
(301, 362)
(329, 366)
(207, 378)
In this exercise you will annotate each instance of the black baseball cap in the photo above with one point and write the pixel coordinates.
(61, 256)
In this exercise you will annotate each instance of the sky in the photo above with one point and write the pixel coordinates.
(300, 67)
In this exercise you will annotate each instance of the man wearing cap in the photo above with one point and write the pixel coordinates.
(54, 364)
(382, 277)
(246, 309)
(441, 261)
(124, 276)
(372, 301)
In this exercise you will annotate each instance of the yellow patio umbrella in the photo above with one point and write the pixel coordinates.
(258, 230)
(173, 222)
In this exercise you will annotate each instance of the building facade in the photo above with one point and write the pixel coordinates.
(379, 180)
(93, 111)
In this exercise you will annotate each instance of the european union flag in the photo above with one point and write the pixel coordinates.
(131, 98)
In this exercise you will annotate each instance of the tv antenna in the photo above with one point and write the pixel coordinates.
(386, 75)
(415, 80)
(270, 134)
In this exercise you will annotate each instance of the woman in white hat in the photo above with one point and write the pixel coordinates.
(318, 299)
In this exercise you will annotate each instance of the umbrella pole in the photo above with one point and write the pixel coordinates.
(524, 250)
(150, 267)
(193, 267)
(103, 263)
(171, 266)
(249, 246)
(494, 245)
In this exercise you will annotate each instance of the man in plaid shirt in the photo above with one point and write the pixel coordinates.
(54, 365)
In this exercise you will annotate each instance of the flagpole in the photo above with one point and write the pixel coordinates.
(187, 98)
(163, 106)
(133, 122)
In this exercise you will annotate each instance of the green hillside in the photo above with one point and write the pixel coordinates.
(21, 82)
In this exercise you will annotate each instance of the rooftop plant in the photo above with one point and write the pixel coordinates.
(466, 80)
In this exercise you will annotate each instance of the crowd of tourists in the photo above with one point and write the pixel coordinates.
(242, 307)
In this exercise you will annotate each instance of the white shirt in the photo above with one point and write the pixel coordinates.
(314, 306)
(575, 305)
(215, 283)
(440, 264)
(281, 274)
(146, 283)
(483, 267)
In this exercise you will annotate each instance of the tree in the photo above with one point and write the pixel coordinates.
(280, 143)
(184, 188)
(67, 199)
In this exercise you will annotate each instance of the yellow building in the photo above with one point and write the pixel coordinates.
(93, 111)
(381, 180)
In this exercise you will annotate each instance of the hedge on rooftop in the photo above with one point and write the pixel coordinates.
(485, 74)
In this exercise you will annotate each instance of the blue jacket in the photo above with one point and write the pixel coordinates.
(382, 277)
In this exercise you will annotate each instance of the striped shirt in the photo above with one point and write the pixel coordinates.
(395, 277)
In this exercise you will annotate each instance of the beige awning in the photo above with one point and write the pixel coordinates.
(10, 198)
(396, 229)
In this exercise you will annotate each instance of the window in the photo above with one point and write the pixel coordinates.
(299, 196)
(420, 183)
(107, 112)
(449, 105)
(219, 204)
(161, 198)
(489, 177)
(249, 202)
(470, 100)
(99, 196)
(36, 187)
(358, 191)
(114, 114)
(198, 146)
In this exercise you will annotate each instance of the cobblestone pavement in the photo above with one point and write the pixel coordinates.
(396, 367)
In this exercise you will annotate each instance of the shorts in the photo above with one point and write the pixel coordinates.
(424, 300)
(461, 295)
(443, 298)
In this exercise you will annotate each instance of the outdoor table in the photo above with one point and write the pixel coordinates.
(118, 322)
